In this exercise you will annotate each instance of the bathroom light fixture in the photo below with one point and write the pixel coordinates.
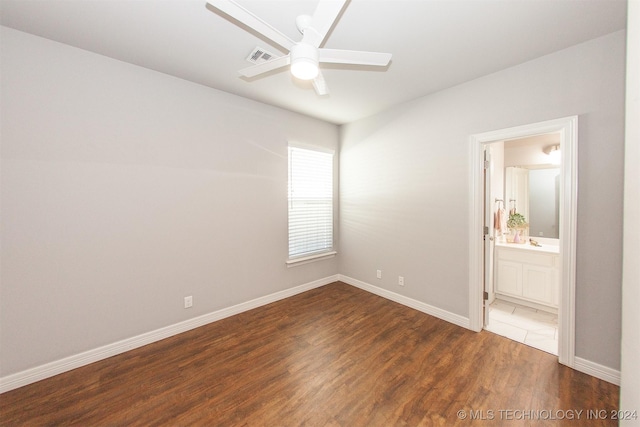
(554, 153)
(304, 61)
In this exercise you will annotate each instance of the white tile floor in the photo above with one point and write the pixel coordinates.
(529, 326)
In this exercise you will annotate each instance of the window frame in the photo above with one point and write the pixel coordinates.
(310, 256)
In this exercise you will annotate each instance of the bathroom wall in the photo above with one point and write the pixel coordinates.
(529, 151)
(497, 173)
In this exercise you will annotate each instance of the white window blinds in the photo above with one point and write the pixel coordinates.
(310, 202)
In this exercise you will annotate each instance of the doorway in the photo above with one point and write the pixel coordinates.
(481, 247)
(522, 182)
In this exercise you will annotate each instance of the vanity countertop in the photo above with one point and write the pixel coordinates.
(550, 249)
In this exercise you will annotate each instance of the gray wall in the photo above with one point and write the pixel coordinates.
(405, 183)
(124, 190)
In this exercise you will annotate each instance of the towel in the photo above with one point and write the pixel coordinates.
(500, 221)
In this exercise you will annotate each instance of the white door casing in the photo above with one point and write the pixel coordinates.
(567, 127)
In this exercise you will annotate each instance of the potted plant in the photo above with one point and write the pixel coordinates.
(518, 228)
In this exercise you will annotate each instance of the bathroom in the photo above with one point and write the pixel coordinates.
(524, 286)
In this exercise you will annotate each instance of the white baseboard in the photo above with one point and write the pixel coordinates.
(409, 302)
(51, 369)
(604, 373)
(48, 370)
(585, 366)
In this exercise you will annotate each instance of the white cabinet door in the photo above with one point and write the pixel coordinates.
(509, 278)
(528, 276)
(538, 283)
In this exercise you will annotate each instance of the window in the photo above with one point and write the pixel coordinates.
(310, 202)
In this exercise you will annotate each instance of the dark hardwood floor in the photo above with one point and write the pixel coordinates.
(333, 356)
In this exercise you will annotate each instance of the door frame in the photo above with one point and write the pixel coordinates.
(489, 237)
(568, 129)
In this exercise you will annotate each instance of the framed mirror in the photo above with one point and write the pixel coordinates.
(534, 192)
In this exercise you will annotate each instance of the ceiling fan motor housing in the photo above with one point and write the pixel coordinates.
(304, 61)
(303, 22)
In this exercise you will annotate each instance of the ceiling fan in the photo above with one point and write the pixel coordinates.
(306, 55)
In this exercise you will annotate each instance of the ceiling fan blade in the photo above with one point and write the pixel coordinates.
(323, 19)
(357, 57)
(239, 13)
(272, 64)
(320, 85)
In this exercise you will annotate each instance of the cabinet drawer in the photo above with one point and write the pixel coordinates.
(542, 260)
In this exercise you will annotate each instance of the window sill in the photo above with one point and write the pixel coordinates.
(294, 262)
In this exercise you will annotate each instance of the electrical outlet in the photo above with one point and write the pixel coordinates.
(379, 274)
(401, 280)
(188, 301)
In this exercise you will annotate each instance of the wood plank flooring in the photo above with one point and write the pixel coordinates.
(332, 356)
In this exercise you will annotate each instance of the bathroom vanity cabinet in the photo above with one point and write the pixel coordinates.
(528, 275)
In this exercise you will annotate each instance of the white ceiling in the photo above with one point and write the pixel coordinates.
(435, 43)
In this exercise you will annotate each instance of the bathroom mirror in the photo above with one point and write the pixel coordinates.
(535, 193)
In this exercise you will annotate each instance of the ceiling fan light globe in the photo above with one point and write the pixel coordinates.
(304, 69)
(304, 61)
